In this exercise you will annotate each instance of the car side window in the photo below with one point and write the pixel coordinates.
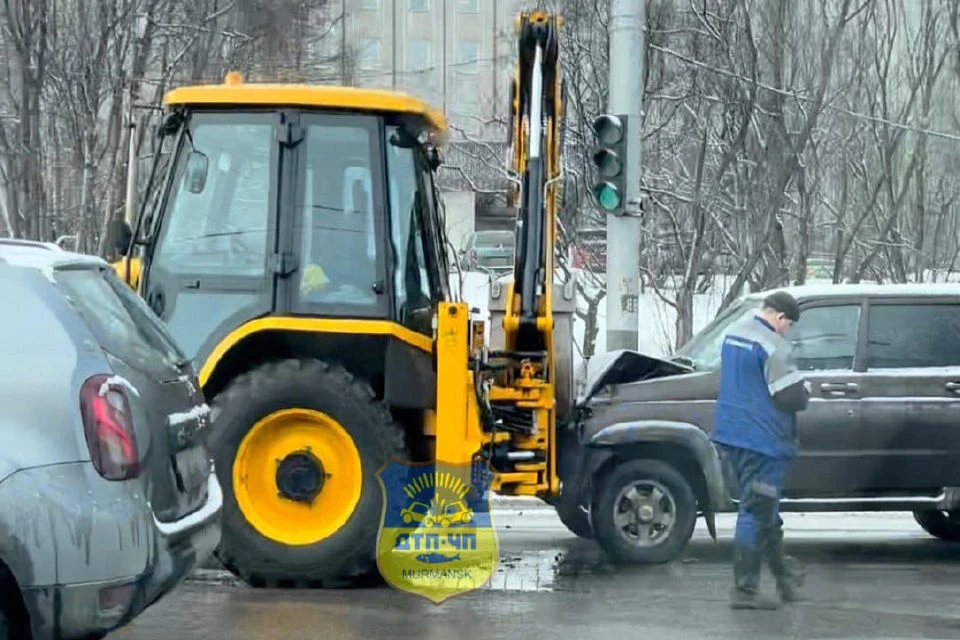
(913, 335)
(825, 338)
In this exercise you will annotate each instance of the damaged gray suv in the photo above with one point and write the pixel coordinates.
(881, 432)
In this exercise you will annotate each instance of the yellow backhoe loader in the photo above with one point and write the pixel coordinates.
(296, 248)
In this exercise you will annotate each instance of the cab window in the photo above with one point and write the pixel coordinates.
(217, 220)
(337, 230)
(410, 272)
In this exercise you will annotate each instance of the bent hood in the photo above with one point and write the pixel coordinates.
(620, 367)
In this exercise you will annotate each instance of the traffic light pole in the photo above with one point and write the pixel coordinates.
(626, 31)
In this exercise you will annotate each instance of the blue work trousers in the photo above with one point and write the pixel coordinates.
(759, 481)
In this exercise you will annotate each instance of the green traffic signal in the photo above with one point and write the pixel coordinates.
(608, 196)
(609, 161)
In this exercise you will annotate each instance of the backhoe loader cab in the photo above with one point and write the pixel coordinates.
(295, 249)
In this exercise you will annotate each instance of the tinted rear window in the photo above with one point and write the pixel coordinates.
(913, 335)
(119, 320)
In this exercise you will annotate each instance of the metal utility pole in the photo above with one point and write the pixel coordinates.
(393, 42)
(626, 29)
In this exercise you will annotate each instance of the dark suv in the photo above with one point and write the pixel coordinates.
(881, 432)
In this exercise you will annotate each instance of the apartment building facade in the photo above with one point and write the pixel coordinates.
(456, 54)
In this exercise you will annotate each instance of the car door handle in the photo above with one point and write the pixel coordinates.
(839, 388)
(953, 386)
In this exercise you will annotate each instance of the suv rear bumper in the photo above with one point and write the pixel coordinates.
(172, 551)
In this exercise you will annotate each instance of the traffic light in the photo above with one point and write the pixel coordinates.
(610, 159)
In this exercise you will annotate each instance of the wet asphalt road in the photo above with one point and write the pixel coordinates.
(870, 576)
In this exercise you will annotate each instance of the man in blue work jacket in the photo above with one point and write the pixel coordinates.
(755, 430)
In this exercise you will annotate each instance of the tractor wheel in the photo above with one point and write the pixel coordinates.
(297, 445)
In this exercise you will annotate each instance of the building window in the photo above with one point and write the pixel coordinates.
(419, 6)
(468, 55)
(369, 54)
(369, 5)
(468, 97)
(418, 55)
(469, 6)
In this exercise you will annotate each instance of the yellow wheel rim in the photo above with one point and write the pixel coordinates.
(297, 476)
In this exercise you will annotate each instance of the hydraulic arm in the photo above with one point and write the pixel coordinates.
(507, 403)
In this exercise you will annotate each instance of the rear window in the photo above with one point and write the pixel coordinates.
(913, 335)
(119, 320)
(495, 237)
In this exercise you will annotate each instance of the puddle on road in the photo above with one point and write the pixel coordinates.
(528, 571)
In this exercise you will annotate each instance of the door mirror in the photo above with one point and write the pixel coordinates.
(403, 139)
(195, 175)
(122, 237)
(434, 158)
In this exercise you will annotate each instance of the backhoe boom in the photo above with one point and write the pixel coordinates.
(510, 418)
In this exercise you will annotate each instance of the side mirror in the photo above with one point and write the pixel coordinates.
(195, 175)
(122, 237)
(403, 139)
(434, 158)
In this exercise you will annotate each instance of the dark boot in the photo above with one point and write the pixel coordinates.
(787, 571)
(746, 571)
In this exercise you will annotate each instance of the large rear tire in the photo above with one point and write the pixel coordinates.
(297, 445)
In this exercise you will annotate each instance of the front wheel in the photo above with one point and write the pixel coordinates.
(940, 524)
(644, 512)
(573, 517)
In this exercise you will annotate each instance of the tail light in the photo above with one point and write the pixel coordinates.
(473, 254)
(108, 426)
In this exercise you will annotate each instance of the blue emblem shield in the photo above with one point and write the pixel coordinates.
(436, 538)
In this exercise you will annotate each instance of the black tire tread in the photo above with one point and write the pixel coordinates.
(357, 567)
(937, 525)
(573, 518)
(12, 608)
(609, 486)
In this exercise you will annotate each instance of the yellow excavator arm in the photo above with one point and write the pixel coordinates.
(499, 406)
